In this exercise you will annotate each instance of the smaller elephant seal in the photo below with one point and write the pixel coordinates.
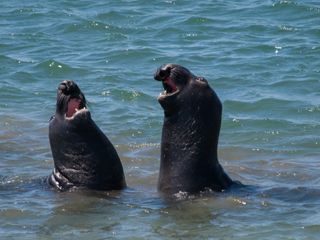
(192, 119)
(83, 156)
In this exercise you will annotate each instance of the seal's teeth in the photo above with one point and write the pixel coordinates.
(77, 109)
(165, 91)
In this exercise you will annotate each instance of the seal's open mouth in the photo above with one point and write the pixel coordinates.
(75, 106)
(170, 88)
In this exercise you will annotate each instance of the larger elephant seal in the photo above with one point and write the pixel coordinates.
(192, 119)
(83, 156)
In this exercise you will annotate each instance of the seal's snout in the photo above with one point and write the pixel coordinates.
(68, 87)
(162, 73)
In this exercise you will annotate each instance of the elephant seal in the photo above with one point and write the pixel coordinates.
(192, 119)
(83, 156)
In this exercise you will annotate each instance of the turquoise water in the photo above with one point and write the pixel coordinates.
(262, 59)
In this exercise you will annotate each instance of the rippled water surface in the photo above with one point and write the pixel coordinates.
(262, 59)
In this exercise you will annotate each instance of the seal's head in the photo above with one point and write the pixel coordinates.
(71, 101)
(180, 87)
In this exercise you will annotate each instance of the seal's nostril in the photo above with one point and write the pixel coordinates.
(69, 83)
(63, 86)
(162, 74)
(68, 87)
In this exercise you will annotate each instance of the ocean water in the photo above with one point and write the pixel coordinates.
(262, 59)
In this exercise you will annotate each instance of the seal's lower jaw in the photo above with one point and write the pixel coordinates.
(75, 109)
(166, 94)
(78, 113)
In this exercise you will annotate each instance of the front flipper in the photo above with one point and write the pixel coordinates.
(59, 181)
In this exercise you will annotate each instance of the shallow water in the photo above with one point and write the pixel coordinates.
(262, 59)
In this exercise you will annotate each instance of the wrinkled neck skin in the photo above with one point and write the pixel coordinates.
(83, 155)
(189, 161)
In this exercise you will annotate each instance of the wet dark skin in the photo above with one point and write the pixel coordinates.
(190, 133)
(83, 156)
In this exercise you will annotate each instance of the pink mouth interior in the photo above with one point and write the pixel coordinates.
(169, 82)
(73, 104)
